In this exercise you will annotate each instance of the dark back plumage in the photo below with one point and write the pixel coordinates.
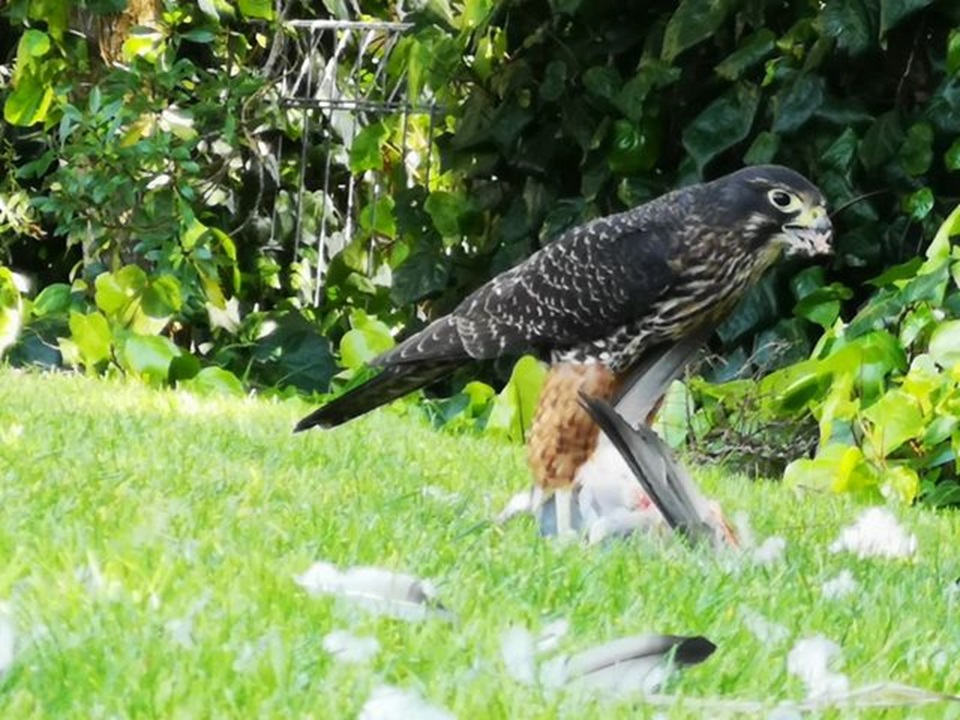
(603, 289)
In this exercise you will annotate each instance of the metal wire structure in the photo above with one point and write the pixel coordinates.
(335, 76)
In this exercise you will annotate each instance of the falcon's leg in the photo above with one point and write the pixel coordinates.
(562, 437)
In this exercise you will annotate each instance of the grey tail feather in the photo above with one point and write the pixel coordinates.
(394, 382)
(665, 482)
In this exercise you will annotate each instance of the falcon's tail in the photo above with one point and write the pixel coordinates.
(665, 481)
(393, 382)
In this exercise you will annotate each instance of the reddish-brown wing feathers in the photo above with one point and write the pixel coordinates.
(563, 436)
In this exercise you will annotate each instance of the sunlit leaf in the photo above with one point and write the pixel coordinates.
(896, 417)
(365, 151)
(149, 356)
(212, 380)
(514, 408)
(944, 344)
(91, 336)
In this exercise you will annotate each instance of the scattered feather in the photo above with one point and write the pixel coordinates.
(764, 630)
(550, 636)
(876, 533)
(639, 664)
(839, 587)
(517, 648)
(391, 703)
(810, 660)
(432, 492)
(180, 631)
(384, 592)
(520, 504)
(350, 648)
(8, 638)
(770, 552)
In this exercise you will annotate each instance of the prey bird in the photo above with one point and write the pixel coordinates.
(617, 306)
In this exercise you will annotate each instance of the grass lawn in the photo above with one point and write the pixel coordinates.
(149, 542)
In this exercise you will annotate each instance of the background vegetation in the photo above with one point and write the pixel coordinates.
(144, 150)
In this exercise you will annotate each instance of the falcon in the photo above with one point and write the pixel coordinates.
(617, 306)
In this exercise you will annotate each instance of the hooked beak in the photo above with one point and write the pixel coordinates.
(809, 233)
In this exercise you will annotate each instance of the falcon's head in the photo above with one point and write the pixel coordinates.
(779, 209)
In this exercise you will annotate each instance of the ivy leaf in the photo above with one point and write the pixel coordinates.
(822, 306)
(554, 82)
(953, 52)
(365, 151)
(797, 102)
(115, 291)
(445, 209)
(944, 344)
(259, 9)
(752, 51)
(149, 356)
(900, 482)
(723, 124)
(161, 297)
(839, 156)
(91, 335)
(893, 11)
(919, 203)
(895, 418)
(763, 149)
(853, 23)
(360, 345)
(652, 75)
(213, 380)
(692, 22)
(377, 217)
(881, 141)
(916, 153)
(422, 274)
(295, 354)
(53, 300)
(514, 408)
(951, 158)
(602, 81)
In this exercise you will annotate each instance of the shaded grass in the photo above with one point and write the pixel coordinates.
(150, 538)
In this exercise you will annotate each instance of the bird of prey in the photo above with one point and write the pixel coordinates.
(617, 306)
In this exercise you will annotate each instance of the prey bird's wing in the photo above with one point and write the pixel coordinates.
(668, 485)
(648, 380)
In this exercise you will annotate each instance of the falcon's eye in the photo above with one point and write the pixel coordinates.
(783, 200)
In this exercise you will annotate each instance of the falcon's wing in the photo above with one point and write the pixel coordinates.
(579, 288)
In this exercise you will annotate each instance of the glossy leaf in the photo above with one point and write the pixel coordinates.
(692, 22)
(723, 124)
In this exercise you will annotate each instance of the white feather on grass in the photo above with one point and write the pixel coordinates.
(839, 587)
(765, 631)
(377, 590)
(349, 648)
(876, 533)
(812, 661)
(392, 703)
